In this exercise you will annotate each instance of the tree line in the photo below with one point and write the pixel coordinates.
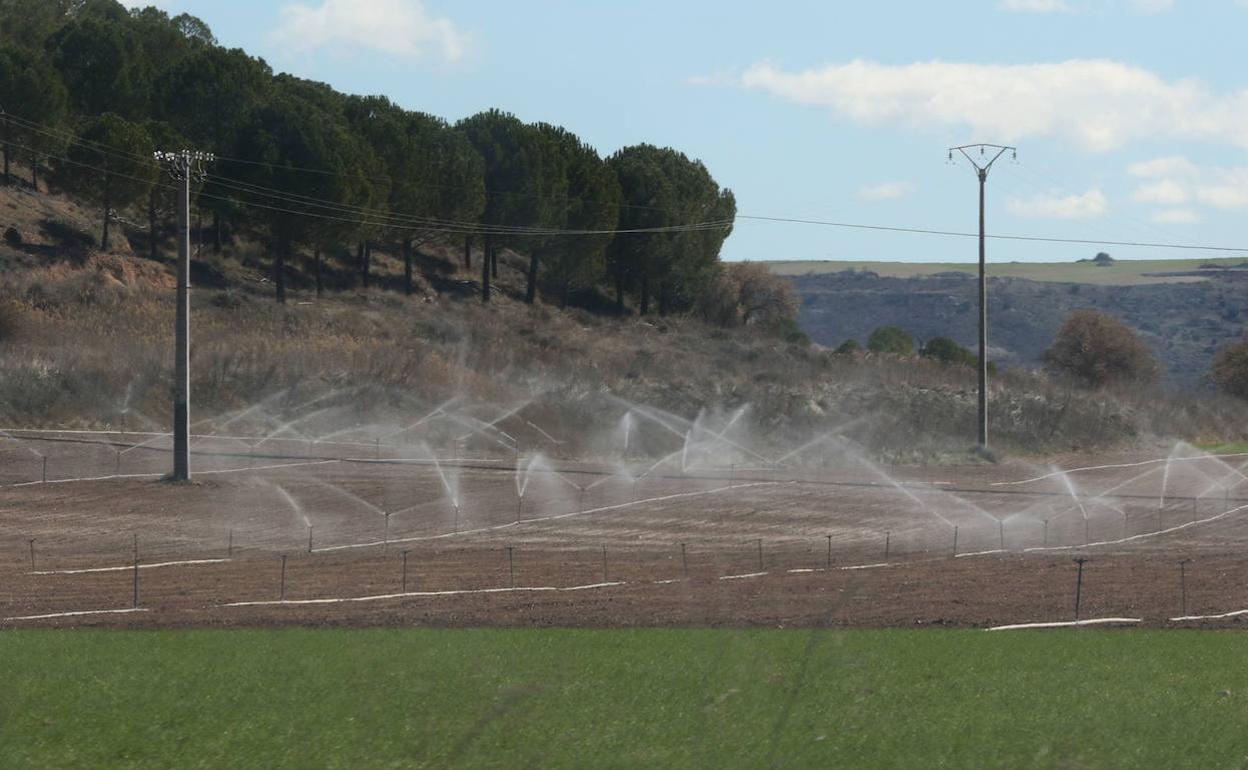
(91, 89)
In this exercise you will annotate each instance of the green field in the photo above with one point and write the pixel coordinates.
(1122, 273)
(632, 698)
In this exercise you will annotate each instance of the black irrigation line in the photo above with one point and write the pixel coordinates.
(505, 465)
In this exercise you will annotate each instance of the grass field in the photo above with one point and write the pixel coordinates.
(1122, 273)
(637, 698)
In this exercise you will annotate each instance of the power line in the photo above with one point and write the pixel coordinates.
(374, 218)
(956, 234)
(448, 226)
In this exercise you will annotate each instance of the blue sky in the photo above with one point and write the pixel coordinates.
(1131, 116)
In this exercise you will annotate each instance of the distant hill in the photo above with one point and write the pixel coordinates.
(1116, 273)
(1183, 309)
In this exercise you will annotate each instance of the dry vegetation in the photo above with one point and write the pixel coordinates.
(85, 341)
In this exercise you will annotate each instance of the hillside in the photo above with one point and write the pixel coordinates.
(1183, 309)
(85, 342)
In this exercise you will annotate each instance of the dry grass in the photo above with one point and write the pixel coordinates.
(85, 342)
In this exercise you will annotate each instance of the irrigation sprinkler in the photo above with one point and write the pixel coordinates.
(519, 506)
(732, 472)
(32, 554)
(634, 490)
(229, 545)
(760, 554)
(684, 559)
(1087, 536)
(1046, 532)
(604, 564)
(1001, 533)
(251, 455)
(45, 469)
(456, 517)
(1183, 585)
(955, 539)
(386, 533)
(829, 562)
(404, 582)
(136, 579)
(511, 565)
(309, 538)
(378, 449)
(888, 541)
(581, 501)
(281, 594)
(117, 464)
(1195, 509)
(1079, 585)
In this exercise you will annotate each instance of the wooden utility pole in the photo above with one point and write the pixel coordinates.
(981, 171)
(183, 166)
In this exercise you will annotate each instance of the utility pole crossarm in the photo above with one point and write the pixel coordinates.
(988, 154)
(184, 166)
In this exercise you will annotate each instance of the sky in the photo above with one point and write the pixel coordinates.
(1130, 116)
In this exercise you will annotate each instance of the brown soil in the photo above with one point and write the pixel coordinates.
(723, 519)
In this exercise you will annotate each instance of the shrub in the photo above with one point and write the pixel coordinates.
(848, 348)
(947, 351)
(747, 293)
(788, 330)
(891, 339)
(1229, 370)
(1098, 349)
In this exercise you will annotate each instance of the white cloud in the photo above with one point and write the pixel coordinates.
(886, 191)
(1062, 6)
(1176, 217)
(1089, 205)
(1035, 6)
(1096, 103)
(1151, 6)
(1169, 166)
(1167, 192)
(1177, 180)
(399, 28)
(1227, 189)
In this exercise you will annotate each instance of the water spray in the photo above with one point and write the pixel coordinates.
(457, 517)
(684, 560)
(45, 469)
(1046, 532)
(888, 538)
(829, 562)
(309, 538)
(519, 505)
(404, 582)
(281, 594)
(229, 545)
(1079, 585)
(604, 564)
(32, 554)
(1183, 585)
(1001, 532)
(135, 596)
(386, 535)
(955, 539)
